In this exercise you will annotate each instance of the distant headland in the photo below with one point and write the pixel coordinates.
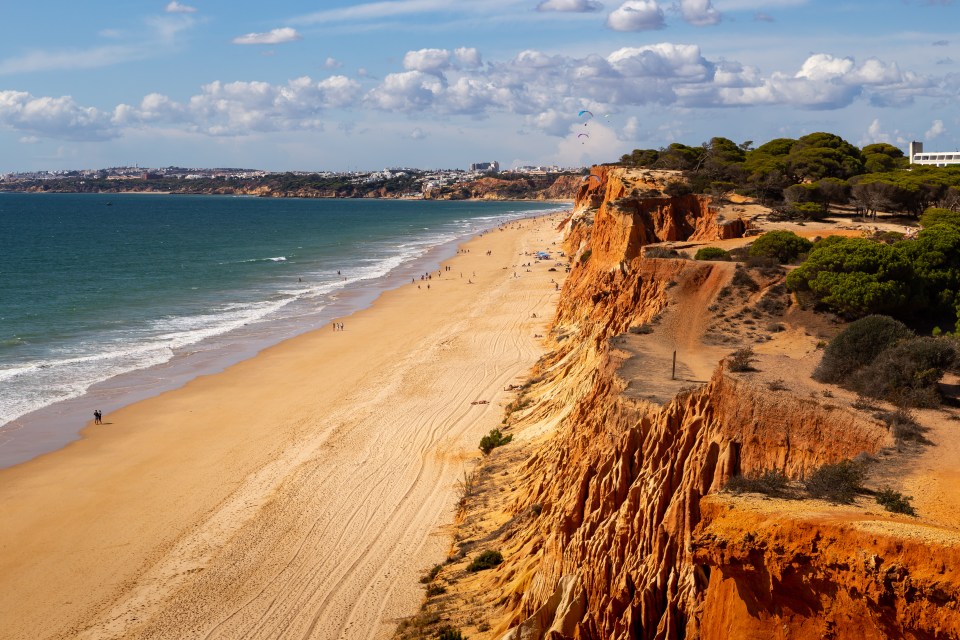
(481, 182)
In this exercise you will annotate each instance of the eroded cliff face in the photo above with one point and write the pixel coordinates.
(617, 529)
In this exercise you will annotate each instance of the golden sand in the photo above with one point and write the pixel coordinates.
(298, 494)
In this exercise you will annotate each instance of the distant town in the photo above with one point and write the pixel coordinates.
(396, 182)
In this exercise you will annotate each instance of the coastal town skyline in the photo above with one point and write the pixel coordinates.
(362, 85)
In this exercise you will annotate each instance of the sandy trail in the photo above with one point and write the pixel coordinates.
(298, 494)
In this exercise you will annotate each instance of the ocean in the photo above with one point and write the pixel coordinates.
(107, 299)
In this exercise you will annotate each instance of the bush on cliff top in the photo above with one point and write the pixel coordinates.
(711, 253)
(857, 346)
(486, 560)
(493, 440)
(836, 482)
(895, 502)
(784, 246)
(908, 372)
(771, 483)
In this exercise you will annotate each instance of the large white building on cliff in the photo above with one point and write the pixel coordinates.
(938, 158)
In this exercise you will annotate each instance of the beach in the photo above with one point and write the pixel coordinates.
(297, 494)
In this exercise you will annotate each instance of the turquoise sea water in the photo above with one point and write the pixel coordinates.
(107, 298)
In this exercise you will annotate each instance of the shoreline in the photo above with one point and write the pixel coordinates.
(326, 439)
(56, 425)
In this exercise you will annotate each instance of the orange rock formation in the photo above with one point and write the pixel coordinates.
(631, 538)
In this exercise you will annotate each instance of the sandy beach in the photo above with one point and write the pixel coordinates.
(298, 494)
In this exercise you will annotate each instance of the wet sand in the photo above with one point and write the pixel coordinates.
(298, 494)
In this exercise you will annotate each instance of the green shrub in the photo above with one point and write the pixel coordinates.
(902, 424)
(740, 360)
(450, 633)
(784, 246)
(771, 483)
(711, 253)
(934, 215)
(585, 256)
(493, 440)
(895, 502)
(676, 189)
(743, 280)
(641, 329)
(430, 575)
(809, 210)
(855, 276)
(435, 590)
(660, 252)
(857, 346)
(837, 482)
(907, 373)
(486, 560)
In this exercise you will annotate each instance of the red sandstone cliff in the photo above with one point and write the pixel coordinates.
(615, 528)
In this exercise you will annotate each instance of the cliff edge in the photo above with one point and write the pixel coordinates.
(609, 509)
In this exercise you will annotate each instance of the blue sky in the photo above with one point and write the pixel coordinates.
(443, 83)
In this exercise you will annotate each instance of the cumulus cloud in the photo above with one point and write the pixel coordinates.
(546, 90)
(417, 134)
(874, 134)
(238, 108)
(636, 15)
(176, 7)
(427, 60)
(579, 6)
(935, 131)
(274, 36)
(699, 12)
(406, 91)
(828, 82)
(332, 63)
(467, 56)
(54, 117)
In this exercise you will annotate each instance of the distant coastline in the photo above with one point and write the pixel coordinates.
(400, 185)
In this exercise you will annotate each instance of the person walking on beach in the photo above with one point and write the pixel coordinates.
(97, 417)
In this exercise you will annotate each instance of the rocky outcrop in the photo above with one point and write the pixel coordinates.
(620, 489)
(821, 576)
(618, 529)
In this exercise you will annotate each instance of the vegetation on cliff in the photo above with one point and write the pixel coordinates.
(802, 178)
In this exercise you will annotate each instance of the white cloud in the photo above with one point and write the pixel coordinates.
(406, 91)
(417, 134)
(545, 90)
(875, 134)
(176, 7)
(427, 60)
(274, 36)
(551, 122)
(29, 140)
(332, 63)
(935, 131)
(636, 15)
(699, 12)
(828, 82)
(53, 117)
(370, 11)
(467, 56)
(579, 6)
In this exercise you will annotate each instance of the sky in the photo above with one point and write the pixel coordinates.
(339, 86)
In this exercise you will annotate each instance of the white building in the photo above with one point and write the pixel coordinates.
(937, 158)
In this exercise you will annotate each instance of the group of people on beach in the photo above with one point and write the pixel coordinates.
(338, 326)
(97, 416)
